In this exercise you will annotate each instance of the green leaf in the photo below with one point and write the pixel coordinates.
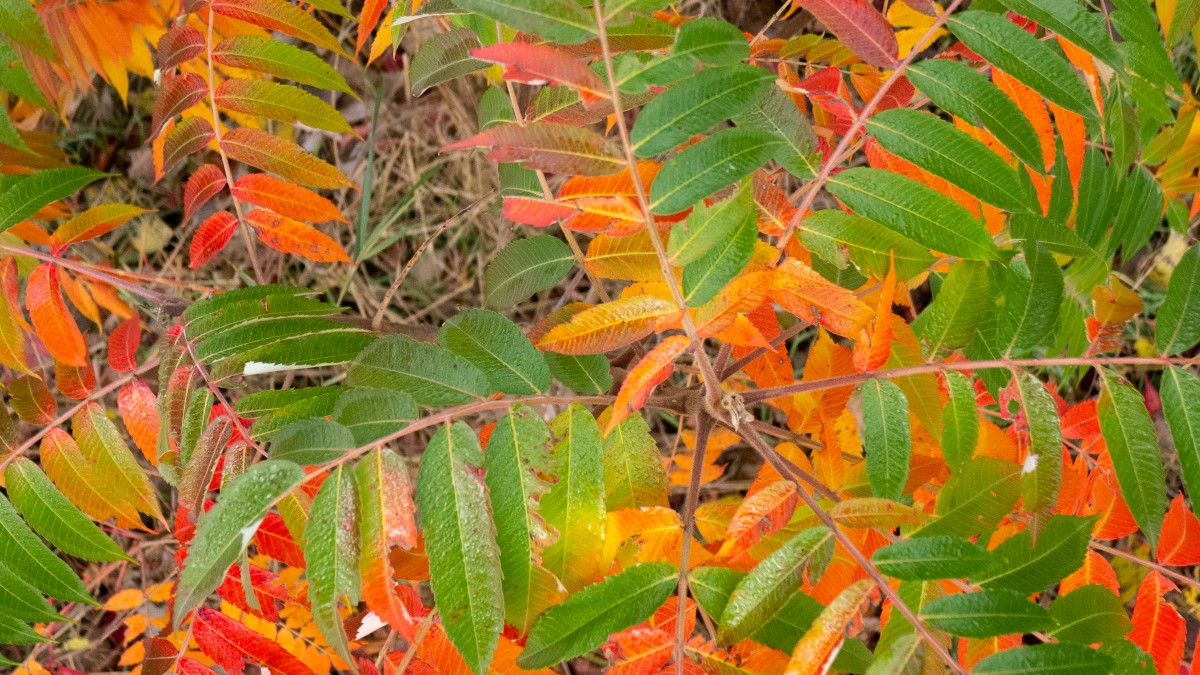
(1177, 324)
(588, 617)
(517, 458)
(1033, 293)
(962, 91)
(959, 307)
(707, 40)
(985, 614)
(975, 499)
(1061, 659)
(27, 196)
(575, 504)
(960, 421)
(371, 414)
(20, 23)
(581, 373)
(291, 405)
(777, 113)
(311, 442)
(1070, 20)
(914, 210)
(886, 437)
(1041, 476)
(22, 552)
(1010, 48)
(941, 149)
(224, 531)
(331, 554)
(702, 169)
(525, 267)
(1025, 567)
(283, 60)
(704, 278)
(281, 102)
(20, 600)
(904, 656)
(929, 558)
(554, 20)
(495, 345)
(444, 57)
(1088, 615)
(708, 226)
(15, 632)
(433, 375)
(464, 560)
(633, 470)
(712, 587)
(1133, 447)
(839, 237)
(53, 516)
(694, 105)
(1180, 390)
(1051, 235)
(767, 588)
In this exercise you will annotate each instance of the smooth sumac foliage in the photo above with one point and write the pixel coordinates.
(863, 340)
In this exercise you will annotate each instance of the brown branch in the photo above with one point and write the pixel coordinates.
(704, 426)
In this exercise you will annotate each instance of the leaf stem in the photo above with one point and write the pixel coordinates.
(704, 427)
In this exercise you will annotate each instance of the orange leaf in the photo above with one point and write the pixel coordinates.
(123, 600)
(1095, 570)
(542, 64)
(649, 372)
(32, 400)
(800, 290)
(553, 148)
(760, 515)
(76, 383)
(371, 11)
(292, 236)
(1179, 544)
(267, 152)
(122, 345)
(51, 319)
(814, 653)
(536, 212)
(80, 297)
(1032, 106)
(212, 236)
(94, 222)
(139, 410)
(614, 185)
(743, 294)
(1157, 627)
(631, 258)
(614, 324)
(204, 184)
(12, 336)
(286, 199)
(874, 344)
(640, 650)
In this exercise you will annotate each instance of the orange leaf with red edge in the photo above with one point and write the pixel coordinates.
(760, 515)
(858, 26)
(1179, 543)
(542, 64)
(619, 216)
(31, 399)
(292, 236)
(801, 290)
(611, 325)
(138, 407)
(204, 184)
(286, 199)
(1157, 627)
(553, 148)
(212, 236)
(230, 645)
(123, 344)
(51, 319)
(371, 11)
(814, 653)
(536, 212)
(267, 152)
(74, 382)
(653, 368)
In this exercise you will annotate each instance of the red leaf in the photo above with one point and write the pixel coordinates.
(543, 64)
(266, 591)
(139, 410)
(274, 541)
(292, 236)
(175, 95)
(230, 644)
(51, 319)
(554, 148)
(858, 26)
(1179, 544)
(286, 199)
(74, 382)
(189, 136)
(122, 345)
(212, 236)
(190, 667)
(1157, 627)
(649, 372)
(179, 45)
(206, 183)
